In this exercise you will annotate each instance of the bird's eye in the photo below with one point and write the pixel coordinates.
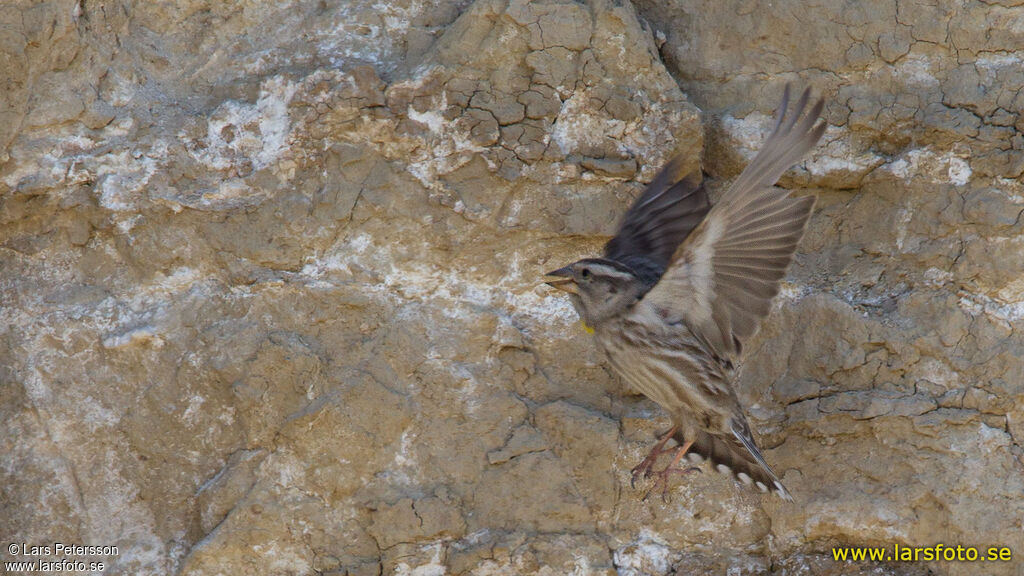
(585, 273)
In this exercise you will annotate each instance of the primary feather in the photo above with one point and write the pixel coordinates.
(668, 210)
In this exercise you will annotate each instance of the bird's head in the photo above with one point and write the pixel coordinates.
(599, 288)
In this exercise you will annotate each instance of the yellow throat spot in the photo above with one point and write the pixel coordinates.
(586, 327)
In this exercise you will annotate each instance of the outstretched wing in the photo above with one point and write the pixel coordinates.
(657, 223)
(721, 280)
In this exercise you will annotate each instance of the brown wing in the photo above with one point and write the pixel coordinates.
(668, 210)
(721, 280)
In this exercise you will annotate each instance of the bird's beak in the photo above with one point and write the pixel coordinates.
(562, 280)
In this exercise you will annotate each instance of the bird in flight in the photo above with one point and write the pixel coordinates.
(683, 285)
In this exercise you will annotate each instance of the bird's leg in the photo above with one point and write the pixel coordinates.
(644, 467)
(662, 476)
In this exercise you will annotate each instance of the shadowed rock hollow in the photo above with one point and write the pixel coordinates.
(269, 273)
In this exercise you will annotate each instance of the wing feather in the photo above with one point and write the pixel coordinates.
(653, 228)
(721, 279)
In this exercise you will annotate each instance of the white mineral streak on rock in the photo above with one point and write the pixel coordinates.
(577, 125)
(648, 554)
(433, 568)
(833, 160)
(517, 294)
(834, 156)
(254, 133)
(448, 150)
(918, 70)
(944, 167)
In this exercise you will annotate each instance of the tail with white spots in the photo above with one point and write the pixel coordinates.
(737, 455)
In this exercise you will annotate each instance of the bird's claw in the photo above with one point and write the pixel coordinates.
(641, 469)
(661, 479)
(646, 467)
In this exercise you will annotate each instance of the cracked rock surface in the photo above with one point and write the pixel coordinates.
(269, 274)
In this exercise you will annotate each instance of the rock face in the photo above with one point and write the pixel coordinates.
(269, 280)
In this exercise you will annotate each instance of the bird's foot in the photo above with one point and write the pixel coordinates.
(661, 477)
(661, 480)
(644, 468)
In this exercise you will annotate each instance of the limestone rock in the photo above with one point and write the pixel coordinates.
(270, 301)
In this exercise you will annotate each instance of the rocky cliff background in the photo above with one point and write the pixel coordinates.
(269, 279)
